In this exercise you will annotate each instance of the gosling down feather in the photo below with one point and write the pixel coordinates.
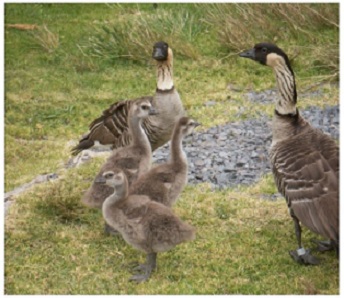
(165, 182)
(134, 159)
(305, 161)
(146, 225)
(112, 127)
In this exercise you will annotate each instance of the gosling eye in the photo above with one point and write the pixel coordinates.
(109, 175)
(145, 108)
(191, 123)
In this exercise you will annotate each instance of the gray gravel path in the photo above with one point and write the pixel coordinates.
(237, 153)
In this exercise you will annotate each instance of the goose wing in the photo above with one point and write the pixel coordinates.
(111, 128)
(310, 184)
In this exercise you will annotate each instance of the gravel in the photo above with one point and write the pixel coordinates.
(237, 153)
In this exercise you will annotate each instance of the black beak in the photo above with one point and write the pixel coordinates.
(248, 54)
(100, 180)
(152, 111)
(158, 54)
(197, 124)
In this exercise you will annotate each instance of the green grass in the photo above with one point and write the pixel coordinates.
(56, 85)
(241, 246)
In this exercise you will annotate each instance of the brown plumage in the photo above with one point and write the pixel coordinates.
(134, 159)
(305, 161)
(146, 225)
(111, 128)
(165, 182)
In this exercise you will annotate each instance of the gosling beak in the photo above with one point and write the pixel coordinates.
(197, 124)
(248, 54)
(100, 180)
(152, 111)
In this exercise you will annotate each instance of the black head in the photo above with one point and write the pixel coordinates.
(160, 51)
(262, 51)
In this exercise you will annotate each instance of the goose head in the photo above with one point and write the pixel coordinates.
(267, 54)
(114, 178)
(161, 51)
(187, 125)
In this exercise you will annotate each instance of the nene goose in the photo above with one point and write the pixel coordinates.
(304, 160)
(165, 182)
(134, 160)
(146, 225)
(111, 129)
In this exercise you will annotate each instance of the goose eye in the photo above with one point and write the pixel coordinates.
(109, 175)
(145, 107)
(264, 50)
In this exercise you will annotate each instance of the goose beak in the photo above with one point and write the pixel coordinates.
(158, 54)
(100, 180)
(197, 124)
(248, 54)
(152, 111)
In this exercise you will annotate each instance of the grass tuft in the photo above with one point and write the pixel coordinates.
(44, 38)
(178, 28)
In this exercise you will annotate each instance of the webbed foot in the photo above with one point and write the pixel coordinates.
(144, 271)
(303, 256)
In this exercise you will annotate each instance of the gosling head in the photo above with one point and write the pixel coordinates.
(161, 51)
(142, 109)
(267, 54)
(114, 178)
(187, 125)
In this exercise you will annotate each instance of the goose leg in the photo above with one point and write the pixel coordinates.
(301, 255)
(145, 269)
(110, 231)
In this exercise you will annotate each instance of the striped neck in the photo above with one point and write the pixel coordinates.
(165, 73)
(286, 104)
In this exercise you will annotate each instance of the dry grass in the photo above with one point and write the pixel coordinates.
(114, 40)
(289, 25)
(46, 39)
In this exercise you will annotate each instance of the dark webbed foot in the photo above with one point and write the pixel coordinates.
(145, 270)
(324, 245)
(110, 231)
(303, 256)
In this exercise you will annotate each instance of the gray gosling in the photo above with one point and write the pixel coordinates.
(146, 225)
(112, 128)
(165, 182)
(304, 160)
(134, 159)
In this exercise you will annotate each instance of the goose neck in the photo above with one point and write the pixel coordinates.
(165, 75)
(286, 103)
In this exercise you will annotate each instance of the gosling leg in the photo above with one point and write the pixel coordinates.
(145, 269)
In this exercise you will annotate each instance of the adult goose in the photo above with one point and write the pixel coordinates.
(305, 161)
(112, 128)
(134, 159)
(146, 225)
(165, 182)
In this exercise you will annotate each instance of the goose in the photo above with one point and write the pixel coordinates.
(148, 226)
(134, 159)
(111, 129)
(304, 160)
(165, 182)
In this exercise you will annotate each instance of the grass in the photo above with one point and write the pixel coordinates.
(56, 83)
(52, 238)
